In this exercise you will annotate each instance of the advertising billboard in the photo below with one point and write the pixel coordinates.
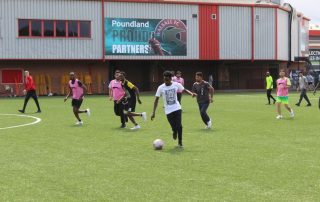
(154, 37)
(314, 54)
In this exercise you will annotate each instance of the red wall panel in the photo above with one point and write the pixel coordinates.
(209, 32)
(12, 76)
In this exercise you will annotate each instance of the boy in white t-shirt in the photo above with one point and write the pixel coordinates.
(172, 107)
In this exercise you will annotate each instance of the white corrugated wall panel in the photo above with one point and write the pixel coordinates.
(235, 33)
(50, 48)
(1, 27)
(283, 35)
(305, 37)
(295, 40)
(159, 11)
(265, 34)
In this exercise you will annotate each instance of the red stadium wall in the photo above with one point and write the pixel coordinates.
(209, 32)
(57, 72)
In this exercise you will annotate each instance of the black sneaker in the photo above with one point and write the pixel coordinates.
(39, 111)
(274, 101)
(298, 105)
(308, 105)
(174, 135)
(123, 126)
(21, 111)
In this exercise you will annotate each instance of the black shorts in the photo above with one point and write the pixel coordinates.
(129, 105)
(132, 105)
(310, 83)
(76, 103)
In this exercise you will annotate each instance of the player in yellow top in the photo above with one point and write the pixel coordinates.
(129, 101)
(269, 87)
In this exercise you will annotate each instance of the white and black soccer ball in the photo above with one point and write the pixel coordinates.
(158, 144)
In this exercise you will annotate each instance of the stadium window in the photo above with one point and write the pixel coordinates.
(54, 28)
(36, 28)
(73, 28)
(61, 28)
(24, 28)
(85, 29)
(48, 28)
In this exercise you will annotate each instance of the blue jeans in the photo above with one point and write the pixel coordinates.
(203, 112)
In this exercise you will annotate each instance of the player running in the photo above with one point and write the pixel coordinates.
(116, 93)
(204, 92)
(269, 87)
(77, 88)
(302, 86)
(29, 91)
(116, 73)
(315, 90)
(129, 100)
(180, 80)
(168, 90)
(283, 84)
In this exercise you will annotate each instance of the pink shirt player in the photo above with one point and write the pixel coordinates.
(282, 86)
(178, 80)
(117, 90)
(77, 90)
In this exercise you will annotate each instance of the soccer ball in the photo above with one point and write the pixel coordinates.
(158, 144)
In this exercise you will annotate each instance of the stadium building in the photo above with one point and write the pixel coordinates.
(314, 42)
(234, 41)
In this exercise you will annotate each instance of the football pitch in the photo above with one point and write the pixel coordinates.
(247, 156)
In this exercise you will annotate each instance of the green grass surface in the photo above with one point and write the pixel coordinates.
(248, 156)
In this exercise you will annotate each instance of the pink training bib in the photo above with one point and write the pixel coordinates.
(179, 80)
(77, 91)
(117, 90)
(282, 87)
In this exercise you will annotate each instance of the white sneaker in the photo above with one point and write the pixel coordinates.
(279, 117)
(79, 123)
(88, 112)
(291, 114)
(137, 127)
(209, 125)
(144, 116)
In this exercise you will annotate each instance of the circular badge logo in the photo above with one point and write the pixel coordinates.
(172, 32)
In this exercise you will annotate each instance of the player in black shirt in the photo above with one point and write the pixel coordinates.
(130, 100)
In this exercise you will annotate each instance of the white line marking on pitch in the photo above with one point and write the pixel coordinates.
(37, 120)
(297, 96)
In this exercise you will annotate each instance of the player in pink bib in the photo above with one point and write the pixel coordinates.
(283, 84)
(180, 80)
(116, 93)
(77, 89)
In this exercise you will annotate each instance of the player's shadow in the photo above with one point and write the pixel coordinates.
(29, 113)
(78, 126)
(128, 130)
(287, 119)
(175, 150)
(208, 131)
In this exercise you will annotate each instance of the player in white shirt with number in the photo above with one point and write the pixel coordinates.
(172, 107)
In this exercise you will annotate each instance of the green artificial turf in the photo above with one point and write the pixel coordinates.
(247, 156)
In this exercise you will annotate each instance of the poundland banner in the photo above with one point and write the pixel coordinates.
(126, 36)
